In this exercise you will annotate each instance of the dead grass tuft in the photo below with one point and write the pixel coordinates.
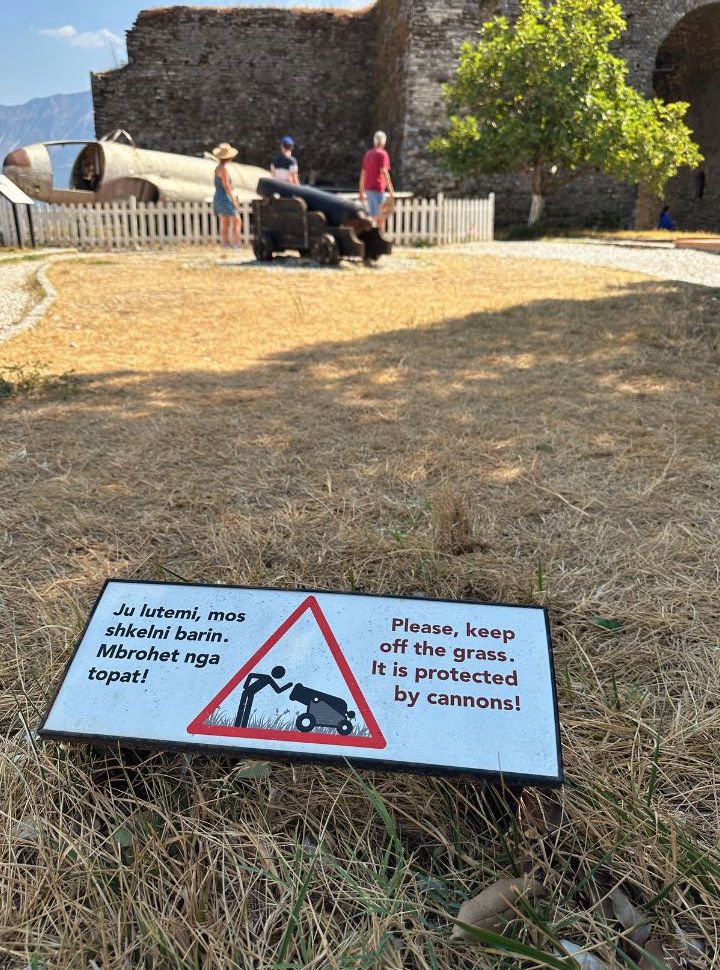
(460, 427)
(451, 529)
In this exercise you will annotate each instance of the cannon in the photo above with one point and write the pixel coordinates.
(321, 710)
(317, 224)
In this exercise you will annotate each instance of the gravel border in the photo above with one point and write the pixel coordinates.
(34, 255)
(36, 312)
(665, 263)
(35, 274)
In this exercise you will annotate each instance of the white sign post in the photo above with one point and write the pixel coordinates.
(415, 684)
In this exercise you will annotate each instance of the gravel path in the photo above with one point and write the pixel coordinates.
(684, 265)
(16, 293)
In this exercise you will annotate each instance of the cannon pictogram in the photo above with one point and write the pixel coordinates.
(321, 710)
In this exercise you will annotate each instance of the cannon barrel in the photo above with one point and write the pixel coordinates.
(336, 210)
(307, 696)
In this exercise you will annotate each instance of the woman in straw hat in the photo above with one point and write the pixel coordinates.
(224, 202)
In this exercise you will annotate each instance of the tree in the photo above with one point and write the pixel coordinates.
(544, 96)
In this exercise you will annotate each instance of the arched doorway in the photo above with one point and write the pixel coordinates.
(687, 68)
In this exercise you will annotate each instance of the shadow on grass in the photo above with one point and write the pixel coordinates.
(155, 463)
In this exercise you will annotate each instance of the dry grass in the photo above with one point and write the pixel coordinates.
(654, 235)
(457, 426)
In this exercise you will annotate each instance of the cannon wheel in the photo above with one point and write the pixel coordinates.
(344, 727)
(325, 250)
(263, 247)
(305, 723)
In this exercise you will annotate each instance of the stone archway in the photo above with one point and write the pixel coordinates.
(687, 68)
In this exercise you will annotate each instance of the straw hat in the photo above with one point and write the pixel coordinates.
(224, 151)
(387, 207)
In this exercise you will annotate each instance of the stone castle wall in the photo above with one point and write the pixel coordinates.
(390, 104)
(200, 75)
(682, 75)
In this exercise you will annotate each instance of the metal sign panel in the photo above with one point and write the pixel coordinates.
(415, 684)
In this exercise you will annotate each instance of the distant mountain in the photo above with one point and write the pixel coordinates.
(44, 119)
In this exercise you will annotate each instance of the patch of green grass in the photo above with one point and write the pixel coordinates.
(36, 288)
(9, 256)
(606, 623)
(33, 379)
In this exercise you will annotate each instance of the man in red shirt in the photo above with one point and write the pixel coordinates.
(375, 178)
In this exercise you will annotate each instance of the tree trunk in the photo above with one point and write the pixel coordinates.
(536, 208)
(538, 188)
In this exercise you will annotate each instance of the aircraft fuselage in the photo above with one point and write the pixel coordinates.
(105, 171)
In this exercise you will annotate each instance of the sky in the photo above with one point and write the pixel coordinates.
(50, 46)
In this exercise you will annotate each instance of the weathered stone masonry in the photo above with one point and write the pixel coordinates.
(196, 76)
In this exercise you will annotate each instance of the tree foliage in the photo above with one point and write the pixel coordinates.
(545, 96)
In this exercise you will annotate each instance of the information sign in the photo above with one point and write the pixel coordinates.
(417, 684)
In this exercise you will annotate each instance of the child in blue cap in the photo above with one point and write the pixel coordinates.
(284, 167)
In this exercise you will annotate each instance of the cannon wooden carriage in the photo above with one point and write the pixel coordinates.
(314, 223)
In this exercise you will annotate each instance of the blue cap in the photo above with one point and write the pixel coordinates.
(287, 140)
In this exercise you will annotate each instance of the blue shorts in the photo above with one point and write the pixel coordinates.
(374, 200)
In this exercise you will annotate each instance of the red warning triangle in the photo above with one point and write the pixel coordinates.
(375, 739)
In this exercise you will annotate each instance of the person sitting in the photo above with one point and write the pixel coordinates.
(284, 167)
(665, 221)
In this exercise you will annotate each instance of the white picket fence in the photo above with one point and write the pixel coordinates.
(132, 225)
(442, 221)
